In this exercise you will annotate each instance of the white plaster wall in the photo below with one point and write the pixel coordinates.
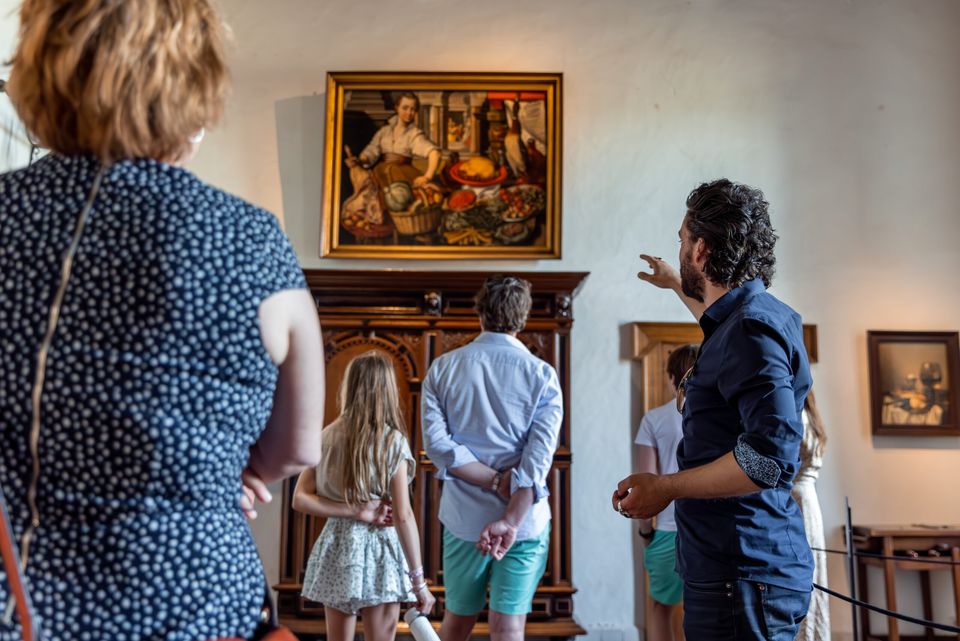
(847, 114)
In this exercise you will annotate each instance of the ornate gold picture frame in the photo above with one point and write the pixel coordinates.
(442, 165)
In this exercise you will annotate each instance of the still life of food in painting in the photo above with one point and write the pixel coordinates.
(435, 168)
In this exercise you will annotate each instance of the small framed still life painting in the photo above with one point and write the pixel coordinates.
(914, 383)
(442, 165)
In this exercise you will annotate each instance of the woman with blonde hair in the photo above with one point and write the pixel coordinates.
(158, 341)
(366, 560)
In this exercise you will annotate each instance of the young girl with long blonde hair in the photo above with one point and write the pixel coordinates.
(366, 560)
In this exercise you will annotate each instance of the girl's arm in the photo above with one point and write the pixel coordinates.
(409, 535)
(306, 500)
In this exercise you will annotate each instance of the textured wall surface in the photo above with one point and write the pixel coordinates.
(845, 113)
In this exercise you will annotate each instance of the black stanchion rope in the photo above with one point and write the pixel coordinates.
(896, 615)
(939, 560)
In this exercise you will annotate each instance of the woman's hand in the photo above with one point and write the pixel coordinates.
(378, 513)
(664, 275)
(425, 600)
(253, 488)
(422, 181)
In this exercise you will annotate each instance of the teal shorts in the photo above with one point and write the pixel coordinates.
(512, 580)
(660, 559)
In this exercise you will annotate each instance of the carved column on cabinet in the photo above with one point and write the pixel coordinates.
(414, 317)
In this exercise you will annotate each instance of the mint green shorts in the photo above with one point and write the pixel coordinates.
(512, 580)
(660, 559)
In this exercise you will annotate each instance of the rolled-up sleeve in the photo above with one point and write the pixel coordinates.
(421, 145)
(444, 452)
(537, 457)
(371, 153)
(757, 377)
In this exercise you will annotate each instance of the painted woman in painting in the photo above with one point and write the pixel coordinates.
(396, 144)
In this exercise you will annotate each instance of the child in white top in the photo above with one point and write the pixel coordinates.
(360, 562)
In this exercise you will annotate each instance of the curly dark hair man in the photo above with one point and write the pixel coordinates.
(734, 222)
(741, 407)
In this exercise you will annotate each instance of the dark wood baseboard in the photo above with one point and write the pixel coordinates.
(557, 629)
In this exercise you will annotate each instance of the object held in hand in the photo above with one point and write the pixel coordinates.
(420, 626)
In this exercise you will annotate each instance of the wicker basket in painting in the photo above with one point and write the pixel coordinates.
(421, 220)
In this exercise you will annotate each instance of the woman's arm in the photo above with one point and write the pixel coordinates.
(409, 535)
(371, 153)
(433, 162)
(290, 333)
(306, 500)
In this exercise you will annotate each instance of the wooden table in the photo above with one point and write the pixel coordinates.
(887, 540)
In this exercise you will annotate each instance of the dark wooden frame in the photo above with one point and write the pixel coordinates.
(413, 317)
(952, 343)
(653, 342)
(652, 345)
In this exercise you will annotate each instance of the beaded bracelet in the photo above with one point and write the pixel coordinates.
(413, 574)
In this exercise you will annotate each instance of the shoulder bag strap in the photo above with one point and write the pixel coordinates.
(11, 566)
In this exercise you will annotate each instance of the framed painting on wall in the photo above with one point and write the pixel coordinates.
(442, 165)
(914, 384)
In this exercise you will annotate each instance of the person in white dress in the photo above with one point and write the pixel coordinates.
(361, 562)
(816, 627)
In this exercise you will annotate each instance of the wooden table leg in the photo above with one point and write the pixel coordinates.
(863, 592)
(927, 603)
(955, 557)
(889, 578)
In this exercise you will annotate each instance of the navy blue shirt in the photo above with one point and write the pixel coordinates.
(745, 395)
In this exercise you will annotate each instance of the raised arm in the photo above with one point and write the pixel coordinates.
(665, 276)
(290, 333)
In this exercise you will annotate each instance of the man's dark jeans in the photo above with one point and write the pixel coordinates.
(738, 610)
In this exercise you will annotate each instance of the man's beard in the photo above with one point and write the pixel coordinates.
(692, 282)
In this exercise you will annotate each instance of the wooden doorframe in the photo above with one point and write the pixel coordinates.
(652, 345)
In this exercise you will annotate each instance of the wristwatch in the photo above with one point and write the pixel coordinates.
(495, 485)
(647, 535)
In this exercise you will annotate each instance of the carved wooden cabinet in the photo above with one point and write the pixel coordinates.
(414, 317)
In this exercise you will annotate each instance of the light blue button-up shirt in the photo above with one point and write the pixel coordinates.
(494, 402)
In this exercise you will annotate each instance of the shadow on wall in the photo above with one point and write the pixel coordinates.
(300, 129)
(915, 443)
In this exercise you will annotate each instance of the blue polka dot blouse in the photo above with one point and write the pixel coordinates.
(157, 384)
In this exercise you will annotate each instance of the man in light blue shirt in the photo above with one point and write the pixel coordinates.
(491, 419)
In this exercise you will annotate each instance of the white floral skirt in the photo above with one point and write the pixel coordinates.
(355, 565)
